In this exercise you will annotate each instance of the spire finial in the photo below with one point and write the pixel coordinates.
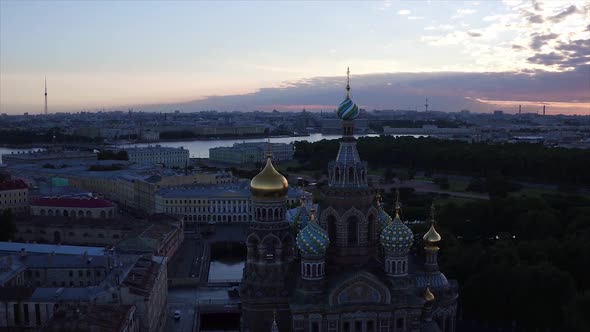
(432, 213)
(348, 81)
(398, 206)
(268, 149)
(312, 212)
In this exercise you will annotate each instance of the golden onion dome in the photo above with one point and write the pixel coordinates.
(432, 236)
(269, 182)
(428, 296)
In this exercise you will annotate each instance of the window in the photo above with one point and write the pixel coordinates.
(315, 327)
(399, 323)
(80, 274)
(71, 273)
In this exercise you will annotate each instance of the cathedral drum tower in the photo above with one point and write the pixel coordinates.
(270, 248)
(349, 211)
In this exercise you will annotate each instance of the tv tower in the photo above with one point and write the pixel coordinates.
(45, 95)
(426, 105)
(543, 110)
(519, 108)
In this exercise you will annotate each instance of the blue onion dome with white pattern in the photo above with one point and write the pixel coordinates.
(313, 240)
(397, 237)
(383, 218)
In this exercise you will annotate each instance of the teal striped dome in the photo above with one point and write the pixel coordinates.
(396, 236)
(312, 240)
(347, 110)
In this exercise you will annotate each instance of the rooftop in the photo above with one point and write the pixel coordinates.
(87, 317)
(15, 247)
(72, 202)
(142, 276)
(240, 189)
(13, 185)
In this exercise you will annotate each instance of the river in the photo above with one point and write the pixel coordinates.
(200, 149)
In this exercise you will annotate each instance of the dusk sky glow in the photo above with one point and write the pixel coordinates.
(238, 55)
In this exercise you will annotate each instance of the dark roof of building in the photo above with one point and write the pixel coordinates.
(86, 317)
(16, 293)
(142, 276)
(13, 185)
(71, 202)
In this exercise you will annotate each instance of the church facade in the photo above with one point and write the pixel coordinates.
(346, 267)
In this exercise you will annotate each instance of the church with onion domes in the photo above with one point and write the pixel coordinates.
(347, 267)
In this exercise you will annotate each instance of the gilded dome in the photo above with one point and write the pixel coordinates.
(397, 237)
(432, 236)
(269, 182)
(428, 296)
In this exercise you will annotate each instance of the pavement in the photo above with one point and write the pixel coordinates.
(186, 323)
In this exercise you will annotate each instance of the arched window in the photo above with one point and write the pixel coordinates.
(103, 214)
(263, 214)
(110, 213)
(352, 230)
(88, 214)
(50, 212)
(43, 212)
(80, 213)
(336, 174)
(332, 230)
(65, 213)
(351, 175)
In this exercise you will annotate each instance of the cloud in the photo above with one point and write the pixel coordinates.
(415, 17)
(518, 47)
(474, 34)
(404, 12)
(463, 12)
(447, 91)
(561, 16)
(547, 59)
(539, 41)
(537, 6)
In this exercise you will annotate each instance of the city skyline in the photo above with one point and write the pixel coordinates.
(194, 56)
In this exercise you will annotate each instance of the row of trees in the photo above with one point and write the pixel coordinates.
(17, 136)
(523, 161)
(521, 261)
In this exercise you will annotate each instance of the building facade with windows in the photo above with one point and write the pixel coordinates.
(167, 156)
(226, 203)
(73, 207)
(251, 153)
(14, 195)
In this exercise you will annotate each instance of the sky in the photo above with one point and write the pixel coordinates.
(246, 55)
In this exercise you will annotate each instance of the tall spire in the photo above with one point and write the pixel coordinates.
(348, 81)
(274, 327)
(45, 95)
(426, 105)
(398, 206)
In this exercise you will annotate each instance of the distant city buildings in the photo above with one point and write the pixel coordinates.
(215, 203)
(159, 155)
(251, 153)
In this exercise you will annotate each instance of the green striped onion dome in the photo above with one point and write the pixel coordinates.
(396, 236)
(312, 240)
(347, 110)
